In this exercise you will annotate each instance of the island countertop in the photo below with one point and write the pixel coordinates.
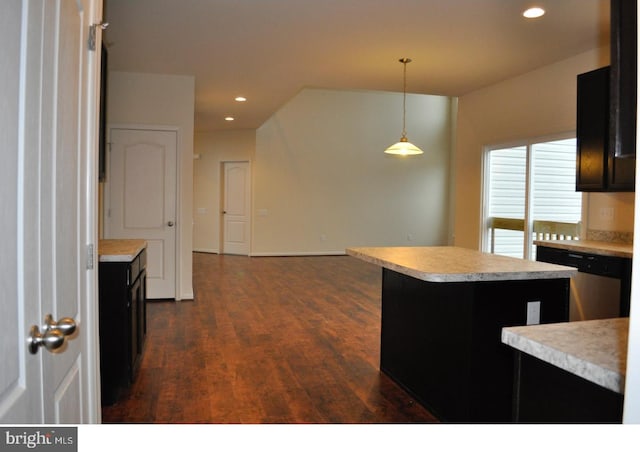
(455, 264)
(602, 248)
(120, 250)
(595, 350)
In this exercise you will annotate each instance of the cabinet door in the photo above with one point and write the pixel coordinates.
(134, 325)
(623, 95)
(142, 313)
(623, 79)
(592, 130)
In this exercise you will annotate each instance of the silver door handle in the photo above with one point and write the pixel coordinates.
(66, 325)
(53, 335)
(170, 224)
(51, 339)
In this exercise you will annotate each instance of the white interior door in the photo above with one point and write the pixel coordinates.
(236, 214)
(142, 200)
(47, 122)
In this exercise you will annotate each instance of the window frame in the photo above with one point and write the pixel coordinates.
(528, 143)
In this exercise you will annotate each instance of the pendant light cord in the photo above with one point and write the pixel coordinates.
(404, 61)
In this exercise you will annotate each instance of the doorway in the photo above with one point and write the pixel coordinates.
(236, 211)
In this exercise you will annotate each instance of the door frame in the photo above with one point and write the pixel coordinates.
(222, 192)
(178, 223)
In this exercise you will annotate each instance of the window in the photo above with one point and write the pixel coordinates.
(529, 191)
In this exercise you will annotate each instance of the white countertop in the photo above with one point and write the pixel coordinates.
(454, 264)
(120, 250)
(595, 350)
(615, 249)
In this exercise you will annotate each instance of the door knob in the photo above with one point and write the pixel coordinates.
(66, 325)
(51, 339)
(53, 334)
(170, 224)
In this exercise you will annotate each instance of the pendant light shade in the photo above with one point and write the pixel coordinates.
(404, 147)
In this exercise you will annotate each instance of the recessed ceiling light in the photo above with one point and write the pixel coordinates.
(241, 99)
(229, 118)
(533, 13)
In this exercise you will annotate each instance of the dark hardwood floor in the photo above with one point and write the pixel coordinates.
(268, 340)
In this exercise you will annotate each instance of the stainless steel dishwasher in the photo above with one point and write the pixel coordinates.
(602, 287)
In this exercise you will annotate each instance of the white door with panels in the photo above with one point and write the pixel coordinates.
(140, 200)
(236, 214)
(48, 122)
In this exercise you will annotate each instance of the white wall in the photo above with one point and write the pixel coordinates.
(163, 100)
(322, 183)
(212, 149)
(538, 104)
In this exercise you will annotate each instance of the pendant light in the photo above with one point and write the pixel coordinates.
(404, 147)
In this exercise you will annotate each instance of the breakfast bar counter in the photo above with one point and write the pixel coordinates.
(443, 309)
(455, 264)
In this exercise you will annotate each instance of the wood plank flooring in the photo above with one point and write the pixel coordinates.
(268, 340)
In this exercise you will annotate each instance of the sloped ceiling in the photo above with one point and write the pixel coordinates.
(267, 50)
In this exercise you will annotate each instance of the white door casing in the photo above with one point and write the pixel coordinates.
(48, 126)
(141, 200)
(236, 208)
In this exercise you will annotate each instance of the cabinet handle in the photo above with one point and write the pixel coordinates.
(170, 224)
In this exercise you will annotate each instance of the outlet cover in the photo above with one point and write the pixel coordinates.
(533, 313)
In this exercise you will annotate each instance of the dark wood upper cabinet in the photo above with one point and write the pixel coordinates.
(592, 130)
(606, 111)
(623, 96)
(623, 77)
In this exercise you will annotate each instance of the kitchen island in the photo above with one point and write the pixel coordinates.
(443, 309)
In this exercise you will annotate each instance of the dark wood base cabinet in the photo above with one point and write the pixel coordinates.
(544, 393)
(442, 341)
(123, 324)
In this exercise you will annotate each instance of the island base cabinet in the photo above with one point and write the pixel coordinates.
(441, 341)
(544, 393)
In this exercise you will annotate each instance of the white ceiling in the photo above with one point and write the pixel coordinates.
(267, 50)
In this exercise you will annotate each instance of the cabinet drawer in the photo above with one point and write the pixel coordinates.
(584, 262)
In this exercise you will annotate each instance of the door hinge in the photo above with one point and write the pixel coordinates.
(92, 34)
(90, 256)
